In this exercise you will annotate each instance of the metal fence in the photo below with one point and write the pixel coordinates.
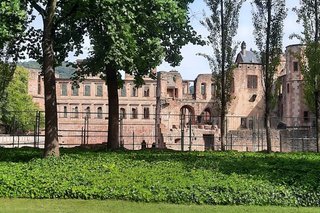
(173, 131)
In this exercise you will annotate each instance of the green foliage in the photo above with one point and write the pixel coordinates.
(308, 16)
(222, 25)
(18, 110)
(199, 177)
(268, 17)
(135, 36)
(12, 20)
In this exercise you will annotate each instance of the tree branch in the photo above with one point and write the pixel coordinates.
(38, 8)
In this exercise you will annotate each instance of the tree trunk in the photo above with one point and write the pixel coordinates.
(268, 80)
(223, 80)
(113, 98)
(51, 147)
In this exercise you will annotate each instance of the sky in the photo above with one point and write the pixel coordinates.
(192, 65)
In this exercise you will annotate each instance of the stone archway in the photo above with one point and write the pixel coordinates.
(187, 115)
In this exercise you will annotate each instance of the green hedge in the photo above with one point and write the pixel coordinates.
(174, 177)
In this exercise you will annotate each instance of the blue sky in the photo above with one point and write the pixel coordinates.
(192, 65)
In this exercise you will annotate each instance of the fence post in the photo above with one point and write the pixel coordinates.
(214, 143)
(133, 140)
(190, 139)
(280, 142)
(231, 141)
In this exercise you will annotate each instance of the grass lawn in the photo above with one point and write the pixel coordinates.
(79, 206)
(204, 178)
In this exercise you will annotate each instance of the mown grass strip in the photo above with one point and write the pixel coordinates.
(85, 206)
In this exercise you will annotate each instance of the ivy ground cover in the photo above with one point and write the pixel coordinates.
(213, 178)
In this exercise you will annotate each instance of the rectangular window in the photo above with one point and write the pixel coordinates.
(64, 91)
(87, 89)
(134, 92)
(295, 66)
(203, 89)
(306, 116)
(146, 113)
(252, 81)
(99, 112)
(123, 91)
(288, 88)
(146, 92)
(243, 123)
(99, 90)
(134, 114)
(75, 91)
(65, 112)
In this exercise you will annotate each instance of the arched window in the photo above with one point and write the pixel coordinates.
(134, 114)
(99, 112)
(87, 111)
(75, 112)
(186, 115)
(65, 112)
(122, 113)
(207, 116)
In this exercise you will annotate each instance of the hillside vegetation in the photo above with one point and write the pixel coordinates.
(64, 71)
(213, 178)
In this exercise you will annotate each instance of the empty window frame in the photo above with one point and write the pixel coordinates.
(87, 112)
(146, 113)
(243, 123)
(65, 112)
(123, 113)
(99, 112)
(306, 116)
(134, 113)
(252, 81)
(203, 89)
(146, 91)
(75, 91)
(295, 66)
(99, 90)
(75, 112)
(134, 92)
(64, 89)
(87, 90)
(123, 91)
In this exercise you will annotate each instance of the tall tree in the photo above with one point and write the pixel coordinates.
(12, 22)
(309, 16)
(18, 109)
(134, 36)
(59, 35)
(222, 26)
(268, 16)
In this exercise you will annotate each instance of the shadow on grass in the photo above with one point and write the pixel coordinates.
(298, 169)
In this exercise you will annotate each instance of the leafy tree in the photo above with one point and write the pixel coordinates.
(308, 15)
(134, 36)
(12, 19)
(268, 16)
(18, 109)
(56, 41)
(222, 26)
